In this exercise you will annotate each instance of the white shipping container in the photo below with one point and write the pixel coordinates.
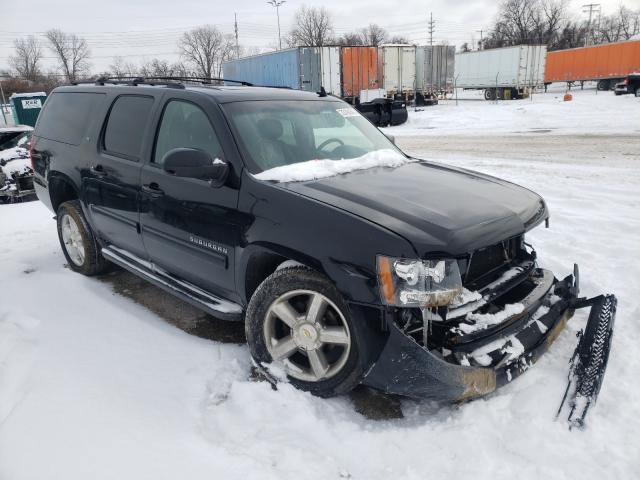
(516, 67)
(330, 68)
(399, 68)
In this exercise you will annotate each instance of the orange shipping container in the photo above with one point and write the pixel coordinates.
(610, 61)
(360, 70)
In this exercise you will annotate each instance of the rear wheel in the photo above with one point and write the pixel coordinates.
(490, 94)
(77, 240)
(298, 319)
(638, 92)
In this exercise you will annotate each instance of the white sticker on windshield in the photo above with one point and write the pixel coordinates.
(347, 112)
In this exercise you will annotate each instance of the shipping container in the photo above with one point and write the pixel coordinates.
(510, 72)
(359, 71)
(606, 63)
(342, 71)
(274, 69)
(435, 69)
(303, 68)
(399, 69)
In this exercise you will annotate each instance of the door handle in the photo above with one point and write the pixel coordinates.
(153, 190)
(98, 170)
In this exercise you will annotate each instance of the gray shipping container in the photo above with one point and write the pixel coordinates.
(435, 67)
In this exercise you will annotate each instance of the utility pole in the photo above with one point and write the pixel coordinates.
(277, 4)
(235, 29)
(481, 38)
(591, 8)
(432, 28)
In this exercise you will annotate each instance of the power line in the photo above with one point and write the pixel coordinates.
(592, 8)
(432, 28)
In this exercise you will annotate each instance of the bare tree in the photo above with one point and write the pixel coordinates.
(72, 53)
(373, 35)
(26, 61)
(352, 38)
(622, 25)
(121, 68)
(157, 68)
(399, 39)
(313, 27)
(529, 21)
(205, 48)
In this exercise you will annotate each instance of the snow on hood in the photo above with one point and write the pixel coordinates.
(16, 161)
(316, 169)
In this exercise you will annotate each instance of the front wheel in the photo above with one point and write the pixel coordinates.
(298, 318)
(77, 240)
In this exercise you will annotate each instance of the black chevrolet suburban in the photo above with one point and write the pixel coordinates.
(348, 261)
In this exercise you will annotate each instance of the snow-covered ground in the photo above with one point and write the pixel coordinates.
(93, 385)
(590, 112)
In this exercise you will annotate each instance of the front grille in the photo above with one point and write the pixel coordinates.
(25, 183)
(485, 263)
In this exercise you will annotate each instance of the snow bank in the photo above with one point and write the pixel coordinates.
(316, 169)
(546, 113)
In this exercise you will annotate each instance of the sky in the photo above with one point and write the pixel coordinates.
(143, 29)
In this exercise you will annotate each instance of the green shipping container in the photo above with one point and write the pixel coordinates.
(26, 107)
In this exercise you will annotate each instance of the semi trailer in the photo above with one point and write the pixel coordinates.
(607, 64)
(503, 73)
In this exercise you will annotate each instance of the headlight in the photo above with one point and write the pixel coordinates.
(418, 283)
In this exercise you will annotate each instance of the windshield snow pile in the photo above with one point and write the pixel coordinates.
(316, 169)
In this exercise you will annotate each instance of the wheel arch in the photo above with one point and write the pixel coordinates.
(61, 189)
(258, 261)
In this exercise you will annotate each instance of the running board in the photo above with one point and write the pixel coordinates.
(206, 301)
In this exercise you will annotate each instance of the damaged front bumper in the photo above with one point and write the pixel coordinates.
(470, 363)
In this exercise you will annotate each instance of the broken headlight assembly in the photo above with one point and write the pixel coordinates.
(418, 283)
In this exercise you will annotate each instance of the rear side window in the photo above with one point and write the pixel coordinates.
(67, 115)
(126, 125)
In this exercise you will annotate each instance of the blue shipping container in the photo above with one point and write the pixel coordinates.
(275, 69)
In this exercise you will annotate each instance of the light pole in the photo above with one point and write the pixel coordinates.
(277, 4)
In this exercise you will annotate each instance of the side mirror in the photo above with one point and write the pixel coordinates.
(391, 138)
(194, 163)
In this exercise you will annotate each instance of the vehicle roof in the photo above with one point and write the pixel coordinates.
(221, 94)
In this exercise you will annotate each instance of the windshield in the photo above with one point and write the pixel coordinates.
(277, 133)
(18, 141)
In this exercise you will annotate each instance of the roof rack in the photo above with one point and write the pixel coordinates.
(170, 81)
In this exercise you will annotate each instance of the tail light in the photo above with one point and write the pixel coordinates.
(625, 81)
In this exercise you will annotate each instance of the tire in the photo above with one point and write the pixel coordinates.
(77, 240)
(637, 92)
(295, 287)
(602, 85)
(490, 94)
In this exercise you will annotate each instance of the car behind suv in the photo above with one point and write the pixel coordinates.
(630, 84)
(348, 261)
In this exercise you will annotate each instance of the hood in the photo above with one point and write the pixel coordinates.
(438, 209)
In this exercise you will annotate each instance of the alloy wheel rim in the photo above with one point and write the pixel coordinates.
(308, 333)
(72, 240)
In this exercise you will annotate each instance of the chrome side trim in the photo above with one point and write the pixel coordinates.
(188, 292)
